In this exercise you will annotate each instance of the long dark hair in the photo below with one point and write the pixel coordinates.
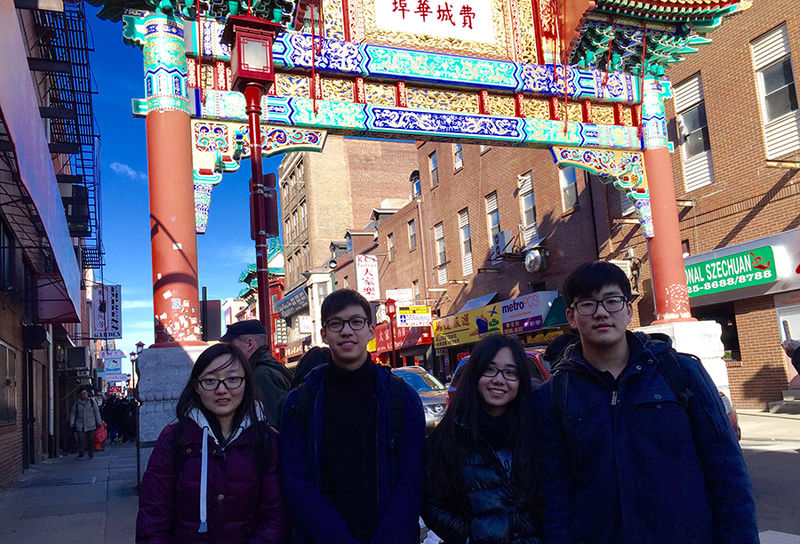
(189, 399)
(457, 433)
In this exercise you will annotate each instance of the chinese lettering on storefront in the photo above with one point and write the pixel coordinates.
(367, 277)
(736, 271)
(466, 327)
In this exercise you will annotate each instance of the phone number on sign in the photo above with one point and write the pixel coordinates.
(730, 282)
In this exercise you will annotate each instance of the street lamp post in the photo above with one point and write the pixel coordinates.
(391, 311)
(252, 73)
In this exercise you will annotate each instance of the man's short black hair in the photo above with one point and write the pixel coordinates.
(593, 276)
(341, 299)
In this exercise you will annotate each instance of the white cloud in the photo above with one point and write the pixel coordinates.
(123, 169)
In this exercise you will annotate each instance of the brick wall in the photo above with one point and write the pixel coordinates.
(11, 435)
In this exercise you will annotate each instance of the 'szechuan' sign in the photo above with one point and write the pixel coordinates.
(736, 271)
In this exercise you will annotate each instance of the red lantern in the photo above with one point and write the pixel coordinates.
(250, 39)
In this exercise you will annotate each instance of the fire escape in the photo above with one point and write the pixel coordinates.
(67, 87)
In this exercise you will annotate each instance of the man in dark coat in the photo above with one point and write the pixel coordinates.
(628, 456)
(351, 442)
(273, 378)
(792, 349)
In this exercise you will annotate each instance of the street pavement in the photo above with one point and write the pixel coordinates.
(68, 501)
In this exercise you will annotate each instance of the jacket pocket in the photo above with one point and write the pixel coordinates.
(659, 424)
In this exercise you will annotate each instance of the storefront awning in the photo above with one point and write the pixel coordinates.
(478, 302)
(404, 337)
(557, 315)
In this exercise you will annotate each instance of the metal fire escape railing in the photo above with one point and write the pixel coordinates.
(63, 48)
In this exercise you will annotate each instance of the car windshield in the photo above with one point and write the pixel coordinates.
(421, 382)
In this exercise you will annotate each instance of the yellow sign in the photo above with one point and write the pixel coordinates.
(414, 316)
(466, 327)
(371, 346)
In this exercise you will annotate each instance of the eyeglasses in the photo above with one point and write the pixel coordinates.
(589, 306)
(212, 384)
(509, 374)
(337, 325)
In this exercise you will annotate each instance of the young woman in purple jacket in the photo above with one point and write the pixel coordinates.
(213, 475)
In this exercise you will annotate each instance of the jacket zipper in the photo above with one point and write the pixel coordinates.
(614, 397)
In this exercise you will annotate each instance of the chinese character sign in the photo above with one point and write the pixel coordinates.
(367, 277)
(107, 311)
(469, 20)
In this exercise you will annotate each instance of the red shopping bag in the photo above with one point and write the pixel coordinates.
(100, 437)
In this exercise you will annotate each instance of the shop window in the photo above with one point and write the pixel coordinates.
(390, 246)
(433, 166)
(8, 386)
(725, 316)
(412, 235)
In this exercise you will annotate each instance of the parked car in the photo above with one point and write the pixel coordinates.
(539, 369)
(431, 391)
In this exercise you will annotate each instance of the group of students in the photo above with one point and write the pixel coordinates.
(627, 443)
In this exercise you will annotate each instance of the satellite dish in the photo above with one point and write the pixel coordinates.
(332, 264)
(534, 260)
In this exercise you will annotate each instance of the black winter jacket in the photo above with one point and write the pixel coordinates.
(490, 513)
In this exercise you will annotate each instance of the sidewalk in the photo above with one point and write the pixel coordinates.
(66, 500)
(766, 427)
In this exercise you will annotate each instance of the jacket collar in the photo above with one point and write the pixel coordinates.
(643, 347)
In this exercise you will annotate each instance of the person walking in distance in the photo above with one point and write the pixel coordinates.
(635, 443)
(84, 419)
(272, 378)
(480, 479)
(351, 440)
(213, 474)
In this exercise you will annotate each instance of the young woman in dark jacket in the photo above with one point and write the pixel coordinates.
(480, 482)
(213, 475)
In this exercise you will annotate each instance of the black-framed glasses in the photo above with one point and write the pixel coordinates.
(509, 374)
(589, 306)
(230, 383)
(336, 325)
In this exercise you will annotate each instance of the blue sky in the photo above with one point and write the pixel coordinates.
(223, 251)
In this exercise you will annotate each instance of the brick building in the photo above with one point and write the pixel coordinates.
(322, 195)
(49, 235)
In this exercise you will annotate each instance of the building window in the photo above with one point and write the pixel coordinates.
(725, 316)
(433, 165)
(287, 230)
(415, 289)
(466, 242)
(568, 181)
(527, 206)
(626, 204)
(346, 282)
(777, 92)
(307, 257)
(297, 266)
(695, 144)
(390, 246)
(412, 234)
(492, 216)
(415, 185)
(274, 302)
(485, 148)
(441, 254)
(8, 386)
(458, 157)
(304, 215)
(6, 257)
(323, 291)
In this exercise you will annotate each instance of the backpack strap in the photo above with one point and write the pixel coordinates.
(304, 406)
(397, 405)
(675, 376)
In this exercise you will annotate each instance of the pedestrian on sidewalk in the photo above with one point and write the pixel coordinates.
(272, 378)
(84, 419)
(213, 475)
(635, 443)
(792, 349)
(480, 480)
(352, 436)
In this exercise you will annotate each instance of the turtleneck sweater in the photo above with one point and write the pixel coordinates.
(349, 446)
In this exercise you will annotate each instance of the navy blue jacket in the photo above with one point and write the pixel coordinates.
(399, 474)
(633, 466)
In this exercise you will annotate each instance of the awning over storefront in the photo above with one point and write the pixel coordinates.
(477, 302)
(404, 337)
(557, 315)
(466, 327)
(764, 266)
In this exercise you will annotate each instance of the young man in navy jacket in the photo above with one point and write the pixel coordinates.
(351, 440)
(626, 459)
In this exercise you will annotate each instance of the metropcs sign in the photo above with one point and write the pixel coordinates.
(745, 269)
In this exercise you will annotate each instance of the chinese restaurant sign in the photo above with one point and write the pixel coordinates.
(735, 271)
(466, 327)
(414, 316)
(526, 313)
(469, 20)
(367, 277)
(107, 309)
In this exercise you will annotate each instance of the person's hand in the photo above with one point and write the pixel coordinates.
(790, 346)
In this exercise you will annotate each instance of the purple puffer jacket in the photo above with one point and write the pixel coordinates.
(241, 507)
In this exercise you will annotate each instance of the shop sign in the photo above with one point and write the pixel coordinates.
(526, 313)
(306, 324)
(293, 303)
(404, 337)
(112, 366)
(107, 310)
(470, 20)
(400, 295)
(114, 389)
(542, 337)
(295, 349)
(414, 316)
(113, 377)
(372, 344)
(281, 333)
(467, 327)
(745, 269)
(791, 298)
(110, 354)
(367, 277)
